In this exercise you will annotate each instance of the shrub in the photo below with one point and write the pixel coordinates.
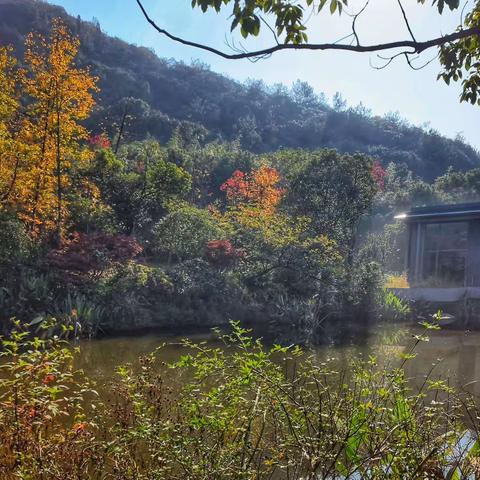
(205, 295)
(222, 252)
(242, 411)
(184, 233)
(44, 431)
(81, 313)
(14, 241)
(93, 253)
(91, 215)
(130, 294)
(392, 308)
(134, 277)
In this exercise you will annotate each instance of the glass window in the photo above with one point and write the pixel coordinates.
(444, 254)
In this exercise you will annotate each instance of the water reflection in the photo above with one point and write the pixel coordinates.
(453, 355)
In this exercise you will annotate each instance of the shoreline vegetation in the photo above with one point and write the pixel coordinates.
(106, 236)
(110, 235)
(239, 411)
(103, 233)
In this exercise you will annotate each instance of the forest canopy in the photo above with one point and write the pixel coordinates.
(153, 193)
(156, 96)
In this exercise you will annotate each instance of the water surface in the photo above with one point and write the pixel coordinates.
(453, 355)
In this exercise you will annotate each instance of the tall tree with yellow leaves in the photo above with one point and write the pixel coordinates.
(60, 97)
(11, 149)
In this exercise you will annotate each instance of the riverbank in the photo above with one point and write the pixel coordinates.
(230, 407)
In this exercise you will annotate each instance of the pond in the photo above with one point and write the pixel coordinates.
(449, 354)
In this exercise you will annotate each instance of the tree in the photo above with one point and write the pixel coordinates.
(166, 181)
(260, 188)
(185, 233)
(276, 247)
(12, 150)
(454, 186)
(334, 189)
(60, 99)
(460, 49)
(139, 183)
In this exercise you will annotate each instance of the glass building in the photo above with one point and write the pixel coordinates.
(443, 246)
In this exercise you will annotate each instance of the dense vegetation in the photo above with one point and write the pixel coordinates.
(105, 234)
(236, 411)
(153, 96)
(104, 227)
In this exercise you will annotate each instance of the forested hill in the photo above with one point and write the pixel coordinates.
(159, 94)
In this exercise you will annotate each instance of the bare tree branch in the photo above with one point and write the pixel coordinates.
(270, 28)
(354, 22)
(407, 23)
(416, 46)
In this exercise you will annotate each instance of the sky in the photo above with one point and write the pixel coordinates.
(416, 95)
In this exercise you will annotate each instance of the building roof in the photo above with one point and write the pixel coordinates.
(461, 211)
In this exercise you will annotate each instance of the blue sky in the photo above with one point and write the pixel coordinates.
(417, 95)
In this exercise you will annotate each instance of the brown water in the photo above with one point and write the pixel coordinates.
(455, 354)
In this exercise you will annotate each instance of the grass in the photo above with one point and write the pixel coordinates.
(397, 281)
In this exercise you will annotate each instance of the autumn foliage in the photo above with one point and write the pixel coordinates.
(260, 187)
(44, 139)
(222, 252)
(99, 141)
(84, 253)
(379, 174)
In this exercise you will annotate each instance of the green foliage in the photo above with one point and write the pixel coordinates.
(15, 244)
(387, 247)
(184, 233)
(402, 190)
(105, 165)
(234, 410)
(90, 215)
(133, 277)
(43, 429)
(174, 97)
(456, 187)
(79, 313)
(166, 181)
(461, 60)
(139, 183)
(303, 254)
(392, 308)
(129, 294)
(289, 15)
(27, 293)
(335, 206)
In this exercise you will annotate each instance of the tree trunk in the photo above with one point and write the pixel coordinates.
(121, 129)
(59, 179)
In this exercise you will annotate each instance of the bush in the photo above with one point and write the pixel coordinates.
(14, 241)
(93, 253)
(204, 295)
(90, 215)
(391, 308)
(43, 428)
(130, 294)
(242, 411)
(222, 252)
(184, 233)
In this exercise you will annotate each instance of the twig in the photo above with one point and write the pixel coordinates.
(417, 47)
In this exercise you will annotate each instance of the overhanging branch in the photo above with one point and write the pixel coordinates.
(416, 46)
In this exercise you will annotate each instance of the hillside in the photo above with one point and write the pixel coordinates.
(159, 94)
